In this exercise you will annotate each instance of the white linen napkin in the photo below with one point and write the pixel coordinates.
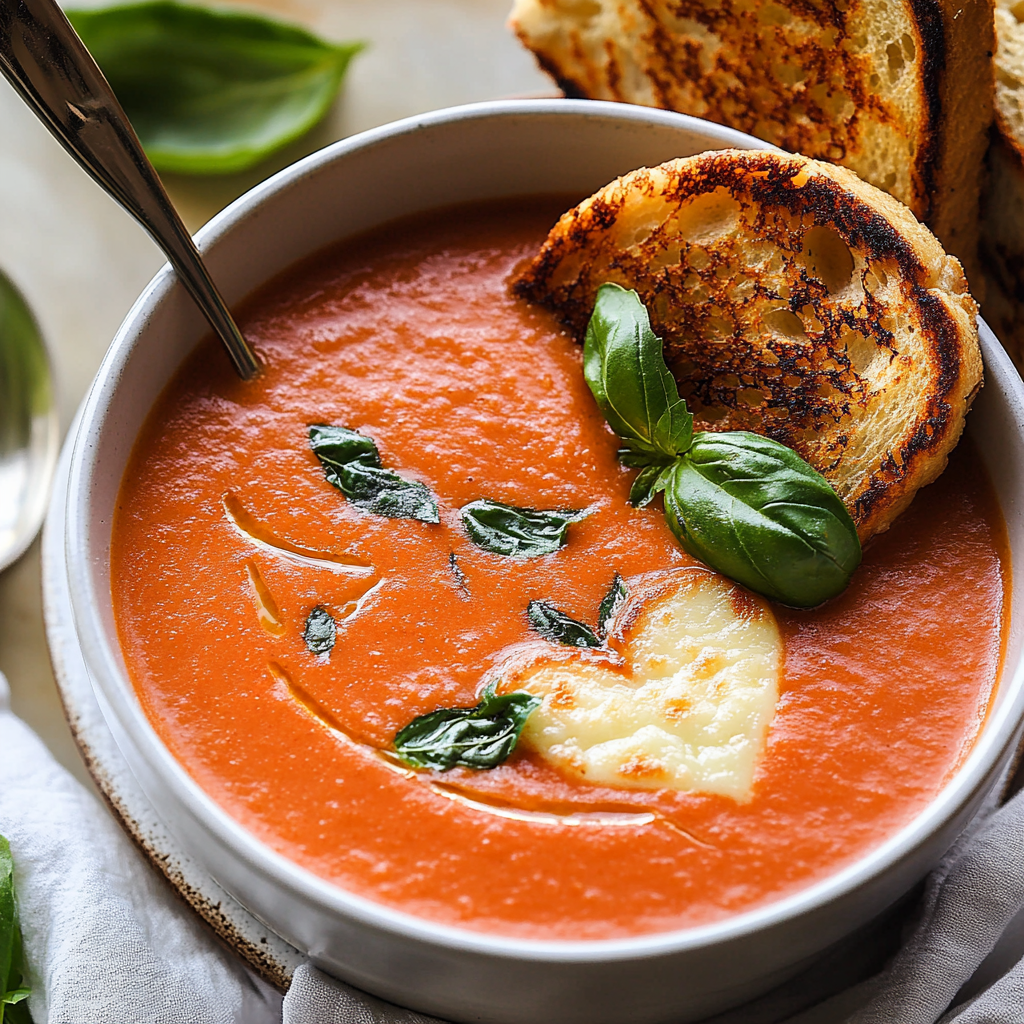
(106, 939)
(108, 942)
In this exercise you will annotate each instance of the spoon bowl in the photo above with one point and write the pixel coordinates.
(29, 428)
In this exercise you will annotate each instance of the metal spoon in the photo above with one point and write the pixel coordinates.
(43, 58)
(29, 429)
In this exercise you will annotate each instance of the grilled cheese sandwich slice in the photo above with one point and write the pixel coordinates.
(795, 301)
(897, 90)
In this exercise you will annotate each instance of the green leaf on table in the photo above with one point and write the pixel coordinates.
(321, 631)
(479, 737)
(754, 510)
(212, 91)
(13, 990)
(624, 366)
(559, 628)
(352, 463)
(517, 532)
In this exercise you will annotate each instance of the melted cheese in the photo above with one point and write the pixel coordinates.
(687, 704)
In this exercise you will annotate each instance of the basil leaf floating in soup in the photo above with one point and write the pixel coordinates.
(559, 628)
(611, 603)
(747, 506)
(13, 987)
(755, 511)
(321, 631)
(517, 532)
(210, 91)
(352, 463)
(479, 737)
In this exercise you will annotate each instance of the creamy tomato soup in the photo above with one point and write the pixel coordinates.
(228, 536)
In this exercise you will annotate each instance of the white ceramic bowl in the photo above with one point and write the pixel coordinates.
(478, 152)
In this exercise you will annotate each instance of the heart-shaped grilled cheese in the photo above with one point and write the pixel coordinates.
(682, 699)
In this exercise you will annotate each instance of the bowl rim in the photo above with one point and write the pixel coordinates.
(117, 694)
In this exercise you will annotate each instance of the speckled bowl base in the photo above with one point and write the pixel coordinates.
(268, 954)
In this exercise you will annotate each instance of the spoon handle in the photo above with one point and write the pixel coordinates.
(43, 58)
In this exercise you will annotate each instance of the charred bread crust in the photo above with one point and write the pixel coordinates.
(868, 372)
(907, 107)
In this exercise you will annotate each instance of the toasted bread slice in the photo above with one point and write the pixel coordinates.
(898, 90)
(796, 301)
(1002, 223)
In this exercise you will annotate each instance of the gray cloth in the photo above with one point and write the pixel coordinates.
(107, 941)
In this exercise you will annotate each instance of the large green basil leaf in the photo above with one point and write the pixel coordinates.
(321, 631)
(559, 628)
(752, 509)
(212, 91)
(479, 737)
(624, 366)
(13, 990)
(517, 532)
(352, 463)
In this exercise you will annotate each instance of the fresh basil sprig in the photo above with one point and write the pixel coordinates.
(517, 532)
(13, 987)
(747, 506)
(479, 737)
(209, 91)
(321, 631)
(352, 463)
(559, 628)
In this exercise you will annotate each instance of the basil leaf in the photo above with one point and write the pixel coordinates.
(352, 463)
(209, 91)
(758, 513)
(12, 962)
(611, 603)
(624, 366)
(321, 631)
(479, 737)
(517, 532)
(649, 481)
(558, 627)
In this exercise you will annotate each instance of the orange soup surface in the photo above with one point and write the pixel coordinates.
(411, 336)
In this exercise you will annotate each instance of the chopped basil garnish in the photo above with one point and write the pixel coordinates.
(352, 463)
(611, 603)
(13, 987)
(747, 506)
(209, 91)
(321, 631)
(517, 532)
(559, 628)
(478, 737)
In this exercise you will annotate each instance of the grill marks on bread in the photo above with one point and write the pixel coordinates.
(898, 90)
(794, 301)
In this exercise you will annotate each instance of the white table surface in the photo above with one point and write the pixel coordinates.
(81, 261)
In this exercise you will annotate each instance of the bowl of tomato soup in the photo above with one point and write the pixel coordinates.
(257, 640)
